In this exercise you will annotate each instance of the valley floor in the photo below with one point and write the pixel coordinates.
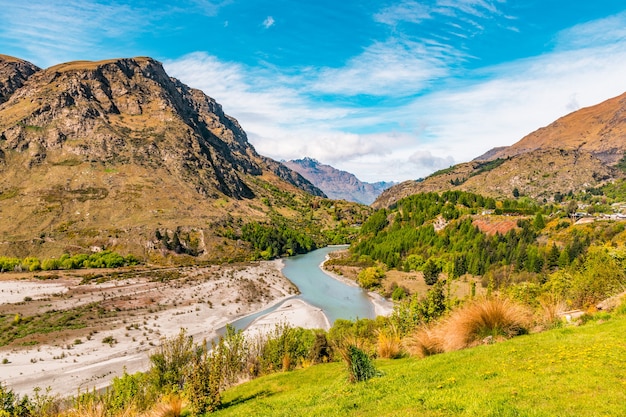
(134, 312)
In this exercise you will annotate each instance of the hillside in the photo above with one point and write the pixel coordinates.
(599, 130)
(572, 371)
(114, 154)
(337, 184)
(539, 174)
(13, 73)
(576, 152)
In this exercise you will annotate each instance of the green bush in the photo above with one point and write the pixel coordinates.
(360, 366)
(370, 277)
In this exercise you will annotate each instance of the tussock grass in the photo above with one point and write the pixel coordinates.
(482, 321)
(494, 318)
(171, 405)
(426, 341)
(389, 344)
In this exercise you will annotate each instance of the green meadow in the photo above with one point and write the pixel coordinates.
(570, 371)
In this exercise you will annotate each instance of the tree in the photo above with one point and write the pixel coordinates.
(370, 277)
(431, 272)
(539, 222)
(515, 192)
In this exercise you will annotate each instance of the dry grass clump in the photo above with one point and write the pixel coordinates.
(170, 406)
(491, 318)
(481, 321)
(389, 344)
(548, 315)
(426, 341)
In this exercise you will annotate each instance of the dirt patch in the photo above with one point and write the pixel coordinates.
(490, 225)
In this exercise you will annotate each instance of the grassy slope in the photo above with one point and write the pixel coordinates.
(563, 372)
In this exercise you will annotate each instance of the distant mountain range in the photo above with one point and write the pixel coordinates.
(116, 154)
(337, 184)
(580, 150)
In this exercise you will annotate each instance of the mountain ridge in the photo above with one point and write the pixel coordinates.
(103, 153)
(576, 152)
(337, 184)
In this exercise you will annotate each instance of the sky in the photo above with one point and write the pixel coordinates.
(387, 90)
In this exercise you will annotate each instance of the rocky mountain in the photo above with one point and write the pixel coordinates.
(13, 73)
(106, 153)
(337, 184)
(576, 152)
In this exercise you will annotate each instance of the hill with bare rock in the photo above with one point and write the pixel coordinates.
(581, 150)
(337, 184)
(110, 154)
(13, 73)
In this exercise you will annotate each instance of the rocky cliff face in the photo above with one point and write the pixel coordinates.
(119, 145)
(337, 184)
(13, 73)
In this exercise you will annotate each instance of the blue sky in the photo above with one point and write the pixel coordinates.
(388, 90)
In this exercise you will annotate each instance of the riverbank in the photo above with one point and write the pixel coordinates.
(295, 312)
(116, 318)
(140, 311)
(382, 306)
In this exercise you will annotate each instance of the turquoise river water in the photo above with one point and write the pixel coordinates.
(336, 299)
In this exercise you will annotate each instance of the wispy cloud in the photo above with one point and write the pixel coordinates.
(391, 68)
(458, 11)
(53, 31)
(48, 32)
(433, 130)
(268, 22)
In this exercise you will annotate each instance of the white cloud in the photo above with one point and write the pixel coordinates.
(392, 68)
(430, 132)
(268, 22)
(56, 31)
(411, 11)
(426, 160)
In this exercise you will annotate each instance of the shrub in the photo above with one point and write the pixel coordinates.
(413, 311)
(170, 362)
(282, 349)
(130, 391)
(431, 272)
(496, 318)
(370, 277)
(360, 366)
(399, 293)
(205, 381)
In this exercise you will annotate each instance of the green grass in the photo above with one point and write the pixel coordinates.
(12, 329)
(563, 372)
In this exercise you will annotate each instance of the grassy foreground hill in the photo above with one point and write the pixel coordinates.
(571, 371)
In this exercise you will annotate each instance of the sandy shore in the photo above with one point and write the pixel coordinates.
(295, 312)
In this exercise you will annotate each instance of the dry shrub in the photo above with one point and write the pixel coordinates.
(548, 315)
(493, 318)
(425, 341)
(388, 345)
(170, 405)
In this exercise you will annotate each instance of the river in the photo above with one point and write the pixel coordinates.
(336, 299)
